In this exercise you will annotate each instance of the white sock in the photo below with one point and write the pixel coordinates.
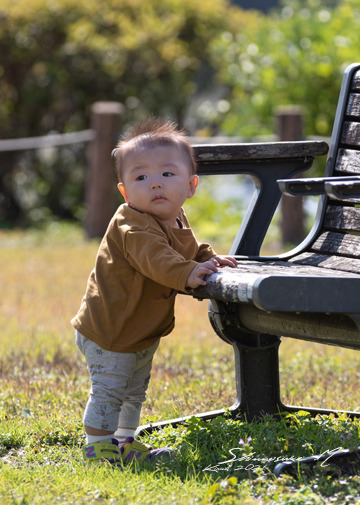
(92, 439)
(122, 434)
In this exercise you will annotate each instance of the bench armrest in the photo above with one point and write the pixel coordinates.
(346, 186)
(266, 163)
(216, 158)
(343, 190)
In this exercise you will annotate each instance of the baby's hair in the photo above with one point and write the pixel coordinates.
(149, 133)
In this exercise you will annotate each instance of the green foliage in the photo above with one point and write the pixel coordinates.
(58, 58)
(296, 55)
(216, 210)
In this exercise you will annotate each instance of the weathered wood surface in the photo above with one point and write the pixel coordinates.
(334, 243)
(356, 81)
(351, 133)
(334, 263)
(353, 107)
(236, 285)
(348, 161)
(255, 151)
(342, 218)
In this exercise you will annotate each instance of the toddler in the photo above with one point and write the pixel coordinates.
(147, 255)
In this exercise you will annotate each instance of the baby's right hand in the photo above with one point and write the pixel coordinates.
(196, 277)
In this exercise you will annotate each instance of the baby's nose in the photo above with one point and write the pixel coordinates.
(156, 183)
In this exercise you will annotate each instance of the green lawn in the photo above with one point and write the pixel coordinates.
(44, 387)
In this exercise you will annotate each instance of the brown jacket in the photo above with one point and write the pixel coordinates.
(140, 266)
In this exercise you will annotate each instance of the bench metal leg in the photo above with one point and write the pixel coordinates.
(257, 377)
(256, 374)
(257, 384)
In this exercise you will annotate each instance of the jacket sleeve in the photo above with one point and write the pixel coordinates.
(205, 252)
(149, 252)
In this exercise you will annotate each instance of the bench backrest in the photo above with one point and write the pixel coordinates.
(335, 239)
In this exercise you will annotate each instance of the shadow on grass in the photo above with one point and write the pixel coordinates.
(225, 447)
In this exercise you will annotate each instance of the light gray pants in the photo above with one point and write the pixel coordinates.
(118, 385)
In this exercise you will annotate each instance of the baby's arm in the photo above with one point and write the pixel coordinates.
(196, 277)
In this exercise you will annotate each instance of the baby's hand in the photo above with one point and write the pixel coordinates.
(225, 261)
(196, 277)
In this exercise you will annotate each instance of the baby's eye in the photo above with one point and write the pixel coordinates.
(141, 177)
(168, 174)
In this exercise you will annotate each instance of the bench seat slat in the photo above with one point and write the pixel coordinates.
(278, 267)
(342, 244)
(353, 106)
(355, 85)
(350, 134)
(336, 263)
(348, 160)
(342, 218)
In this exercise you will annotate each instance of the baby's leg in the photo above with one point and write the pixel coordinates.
(129, 417)
(110, 373)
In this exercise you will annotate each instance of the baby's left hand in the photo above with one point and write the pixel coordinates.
(225, 261)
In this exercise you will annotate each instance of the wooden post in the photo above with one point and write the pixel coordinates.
(101, 182)
(290, 127)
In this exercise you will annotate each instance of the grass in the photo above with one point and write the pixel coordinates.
(44, 388)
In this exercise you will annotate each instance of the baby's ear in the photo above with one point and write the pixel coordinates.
(122, 190)
(194, 181)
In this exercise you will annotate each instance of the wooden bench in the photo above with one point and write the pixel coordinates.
(310, 293)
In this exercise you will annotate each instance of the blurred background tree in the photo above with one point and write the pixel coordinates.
(295, 55)
(211, 66)
(58, 57)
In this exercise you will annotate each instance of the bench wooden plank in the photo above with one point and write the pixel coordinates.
(342, 244)
(348, 160)
(353, 107)
(355, 86)
(339, 263)
(351, 133)
(342, 218)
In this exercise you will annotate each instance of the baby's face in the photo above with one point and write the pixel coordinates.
(157, 180)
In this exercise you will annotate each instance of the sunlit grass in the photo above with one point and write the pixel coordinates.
(42, 285)
(44, 388)
(319, 375)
